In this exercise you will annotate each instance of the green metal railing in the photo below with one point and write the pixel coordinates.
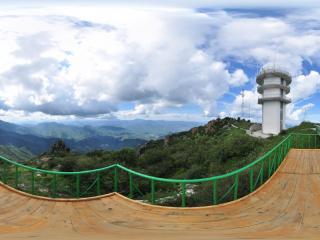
(154, 190)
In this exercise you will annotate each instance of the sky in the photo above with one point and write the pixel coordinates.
(169, 60)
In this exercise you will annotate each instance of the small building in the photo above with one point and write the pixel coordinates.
(273, 85)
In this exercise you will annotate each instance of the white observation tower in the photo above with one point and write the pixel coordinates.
(273, 86)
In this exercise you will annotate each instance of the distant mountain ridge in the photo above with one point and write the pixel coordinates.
(138, 128)
(37, 138)
(38, 145)
(33, 143)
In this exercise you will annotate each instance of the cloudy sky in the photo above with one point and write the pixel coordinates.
(181, 60)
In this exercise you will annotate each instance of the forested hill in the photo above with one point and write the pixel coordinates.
(15, 153)
(220, 146)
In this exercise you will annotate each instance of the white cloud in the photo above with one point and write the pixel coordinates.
(296, 115)
(63, 65)
(86, 61)
(284, 41)
(176, 3)
(238, 78)
(267, 40)
(304, 86)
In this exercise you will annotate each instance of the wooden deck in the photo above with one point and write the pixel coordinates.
(287, 206)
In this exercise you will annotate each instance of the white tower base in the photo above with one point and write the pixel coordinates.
(271, 117)
(274, 85)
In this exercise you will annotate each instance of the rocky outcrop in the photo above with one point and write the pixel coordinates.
(167, 140)
(255, 127)
(59, 147)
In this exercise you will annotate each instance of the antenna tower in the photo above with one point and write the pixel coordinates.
(242, 103)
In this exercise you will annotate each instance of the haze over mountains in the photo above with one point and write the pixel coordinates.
(87, 136)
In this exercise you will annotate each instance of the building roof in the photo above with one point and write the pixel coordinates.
(273, 72)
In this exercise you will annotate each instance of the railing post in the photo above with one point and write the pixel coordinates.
(54, 192)
(290, 137)
(16, 177)
(286, 148)
(214, 192)
(251, 179)
(274, 161)
(78, 185)
(309, 141)
(98, 187)
(5, 168)
(236, 184)
(130, 185)
(183, 195)
(269, 165)
(279, 157)
(32, 182)
(152, 192)
(262, 169)
(116, 179)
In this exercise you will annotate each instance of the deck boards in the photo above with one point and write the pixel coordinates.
(286, 207)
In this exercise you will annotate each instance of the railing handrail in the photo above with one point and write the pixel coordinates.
(56, 172)
(209, 178)
(237, 171)
(82, 183)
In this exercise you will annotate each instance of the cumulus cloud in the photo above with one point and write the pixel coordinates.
(238, 78)
(89, 61)
(266, 40)
(180, 3)
(64, 65)
(295, 115)
(286, 42)
(304, 86)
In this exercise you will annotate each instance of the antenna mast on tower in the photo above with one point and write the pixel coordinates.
(305, 115)
(242, 103)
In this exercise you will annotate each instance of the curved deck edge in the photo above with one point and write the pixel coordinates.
(132, 201)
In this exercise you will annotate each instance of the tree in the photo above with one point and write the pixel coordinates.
(59, 147)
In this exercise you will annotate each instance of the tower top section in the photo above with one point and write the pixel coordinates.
(268, 72)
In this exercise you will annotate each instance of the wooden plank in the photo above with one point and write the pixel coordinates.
(287, 206)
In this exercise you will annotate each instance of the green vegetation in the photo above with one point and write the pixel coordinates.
(218, 147)
(213, 149)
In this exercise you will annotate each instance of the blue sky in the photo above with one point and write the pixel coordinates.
(173, 60)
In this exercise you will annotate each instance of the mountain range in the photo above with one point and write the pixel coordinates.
(87, 136)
